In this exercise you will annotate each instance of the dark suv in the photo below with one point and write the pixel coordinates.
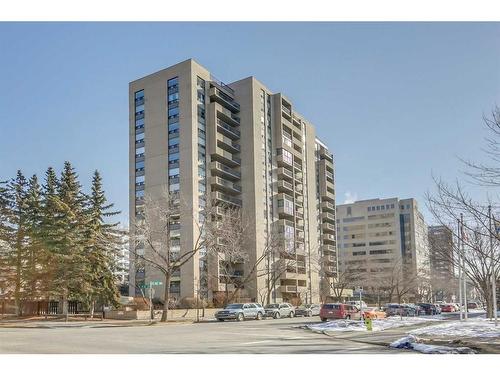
(429, 308)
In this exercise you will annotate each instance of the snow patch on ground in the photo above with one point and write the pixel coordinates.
(412, 342)
(475, 328)
(378, 324)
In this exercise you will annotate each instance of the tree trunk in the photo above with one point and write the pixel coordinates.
(166, 298)
(92, 308)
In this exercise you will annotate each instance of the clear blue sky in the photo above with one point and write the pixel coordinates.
(395, 102)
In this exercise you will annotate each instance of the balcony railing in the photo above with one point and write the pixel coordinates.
(227, 170)
(231, 131)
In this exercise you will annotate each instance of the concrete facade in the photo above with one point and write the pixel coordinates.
(244, 146)
(377, 235)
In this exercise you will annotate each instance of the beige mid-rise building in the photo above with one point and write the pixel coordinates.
(378, 237)
(240, 145)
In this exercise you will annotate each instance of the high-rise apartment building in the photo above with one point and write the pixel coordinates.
(377, 237)
(241, 145)
(441, 262)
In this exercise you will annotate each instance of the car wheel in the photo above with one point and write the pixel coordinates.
(221, 320)
(259, 316)
(324, 319)
(277, 315)
(239, 318)
(291, 315)
(309, 314)
(348, 317)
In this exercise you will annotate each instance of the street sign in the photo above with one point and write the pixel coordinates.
(155, 283)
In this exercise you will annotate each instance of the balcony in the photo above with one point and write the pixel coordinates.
(328, 228)
(299, 187)
(226, 157)
(284, 212)
(324, 154)
(285, 174)
(288, 289)
(298, 176)
(330, 259)
(228, 130)
(226, 198)
(328, 237)
(219, 96)
(282, 162)
(328, 217)
(327, 206)
(227, 116)
(227, 144)
(227, 186)
(224, 171)
(285, 187)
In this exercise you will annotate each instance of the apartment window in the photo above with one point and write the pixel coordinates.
(173, 98)
(173, 112)
(173, 82)
(139, 180)
(139, 138)
(139, 95)
(173, 157)
(173, 142)
(173, 172)
(139, 151)
(139, 123)
(139, 109)
(173, 188)
(139, 165)
(139, 194)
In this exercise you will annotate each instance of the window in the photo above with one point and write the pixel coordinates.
(287, 157)
(173, 157)
(139, 95)
(139, 123)
(173, 141)
(139, 166)
(173, 112)
(139, 138)
(174, 187)
(173, 82)
(139, 151)
(173, 172)
(173, 127)
(139, 194)
(173, 98)
(139, 180)
(139, 108)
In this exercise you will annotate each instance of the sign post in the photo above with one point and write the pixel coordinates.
(151, 294)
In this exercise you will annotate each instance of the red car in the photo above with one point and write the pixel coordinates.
(447, 308)
(339, 311)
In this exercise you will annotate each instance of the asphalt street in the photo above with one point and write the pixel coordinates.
(268, 336)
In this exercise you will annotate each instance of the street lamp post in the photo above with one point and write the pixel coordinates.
(493, 270)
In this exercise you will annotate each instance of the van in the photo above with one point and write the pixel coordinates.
(339, 311)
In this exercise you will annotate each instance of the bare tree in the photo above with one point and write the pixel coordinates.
(447, 204)
(488, 174)
(152, 242)
(345, 279)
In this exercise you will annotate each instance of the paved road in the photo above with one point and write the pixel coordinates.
(268, 337)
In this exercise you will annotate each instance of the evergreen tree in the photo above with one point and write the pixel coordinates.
(6, 270)
(36, 260)
(102, 244)
(16, 259)
(65, 237)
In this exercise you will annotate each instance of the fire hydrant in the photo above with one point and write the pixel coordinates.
(368, 323)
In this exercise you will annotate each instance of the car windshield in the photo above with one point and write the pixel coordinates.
(234, 306)
(272, 306)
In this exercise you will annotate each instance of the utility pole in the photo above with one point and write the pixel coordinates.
(463, 269)
(459, 269)
(493, 270)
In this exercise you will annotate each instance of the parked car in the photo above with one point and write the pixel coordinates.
(447, 307)
(392, 309)
(429, 308)
(307, 310)
(373, 313)
(241, 311)
(339, 311)
(438, 308)
(357, 303)
(279, 310)
(473, 305)
(456, 305)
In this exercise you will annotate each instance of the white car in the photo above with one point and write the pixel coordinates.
(357, 304)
